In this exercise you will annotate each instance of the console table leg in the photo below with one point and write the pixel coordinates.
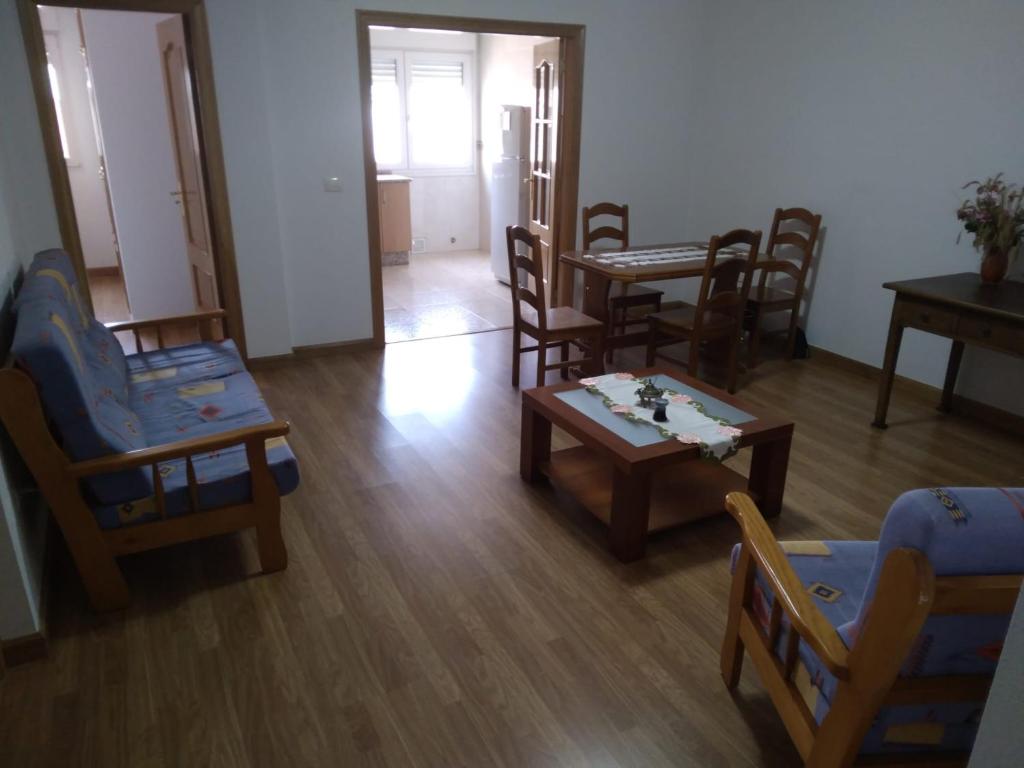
(631, 497)
(534, 444)
(956, 354)
(892, 353)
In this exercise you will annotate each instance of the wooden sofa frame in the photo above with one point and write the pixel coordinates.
(868, 673)
(94, 549)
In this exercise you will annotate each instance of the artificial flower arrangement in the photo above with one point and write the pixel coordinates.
(996, 219)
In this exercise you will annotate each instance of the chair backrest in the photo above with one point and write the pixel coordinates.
(725, 284)
(966, 534)
(521, 267)
(606, 232)
(797, 228)
(973, 538)
(79, 372)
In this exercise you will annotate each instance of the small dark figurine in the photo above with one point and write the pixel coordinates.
(647, 393)
(659, 409)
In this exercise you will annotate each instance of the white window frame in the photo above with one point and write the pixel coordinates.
(405, 58)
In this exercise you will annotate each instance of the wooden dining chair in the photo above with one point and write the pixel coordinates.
(766, 299)
(718, 314)
(630, 295)
(559, 326)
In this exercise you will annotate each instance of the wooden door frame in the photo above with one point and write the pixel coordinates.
(567, 174)
(200, 60)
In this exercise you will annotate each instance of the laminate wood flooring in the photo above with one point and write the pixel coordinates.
(436, 610)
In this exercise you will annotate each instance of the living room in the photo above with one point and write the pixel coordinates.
(438, 608)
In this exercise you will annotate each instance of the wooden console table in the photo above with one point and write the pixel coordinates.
(959, 307)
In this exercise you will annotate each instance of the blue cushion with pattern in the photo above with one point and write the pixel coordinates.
(962, 531)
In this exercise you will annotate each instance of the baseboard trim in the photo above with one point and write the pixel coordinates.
(22, 650)
(114, 271)
(310, 351)
(984, 413)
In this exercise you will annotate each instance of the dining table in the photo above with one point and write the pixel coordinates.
(638, 264)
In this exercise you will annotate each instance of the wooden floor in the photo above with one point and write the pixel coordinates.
(439, 612)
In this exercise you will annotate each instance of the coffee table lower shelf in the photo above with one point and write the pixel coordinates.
(680, 493)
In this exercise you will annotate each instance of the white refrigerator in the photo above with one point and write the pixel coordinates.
(510, 184)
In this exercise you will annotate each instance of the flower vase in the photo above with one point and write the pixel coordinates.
(994, 264)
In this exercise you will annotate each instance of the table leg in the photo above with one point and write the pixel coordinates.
(768, 466)
(534, 444)
(631, 496)
(595, 296)
(956, 354)
(892, 353)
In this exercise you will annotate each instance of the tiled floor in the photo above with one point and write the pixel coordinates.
(443, 294)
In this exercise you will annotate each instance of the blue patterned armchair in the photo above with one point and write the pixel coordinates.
(880, 653)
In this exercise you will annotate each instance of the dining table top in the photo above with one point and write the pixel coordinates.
(608, 262)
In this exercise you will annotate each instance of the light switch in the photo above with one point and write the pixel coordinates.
(333, 184)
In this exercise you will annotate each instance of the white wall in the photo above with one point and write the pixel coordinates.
(28, 223)
(506, 77)
(442, 206)
(300, 61)
(94, 227)
(874, 114)
(128, 80)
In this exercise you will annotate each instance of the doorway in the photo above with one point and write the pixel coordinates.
(455, 149)
(130, 128)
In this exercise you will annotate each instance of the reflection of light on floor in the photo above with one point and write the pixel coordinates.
(432, 378)
(430, 322)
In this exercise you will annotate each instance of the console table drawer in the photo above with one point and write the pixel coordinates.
(927, 318)
(991, 332)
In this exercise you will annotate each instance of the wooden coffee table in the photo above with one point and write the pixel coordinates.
(637, 489)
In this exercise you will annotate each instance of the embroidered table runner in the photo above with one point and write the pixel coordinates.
(694, 417)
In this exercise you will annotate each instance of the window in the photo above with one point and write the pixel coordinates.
(422, 109)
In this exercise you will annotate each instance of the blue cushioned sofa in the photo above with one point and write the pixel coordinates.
(880, 653)
(138, 451)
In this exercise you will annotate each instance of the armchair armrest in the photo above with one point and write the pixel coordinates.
(804, 616)
(179, 449)
(198, 317)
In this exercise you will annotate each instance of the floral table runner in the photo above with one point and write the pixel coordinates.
(688, 420)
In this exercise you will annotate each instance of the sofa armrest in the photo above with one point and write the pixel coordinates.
(197, 317)
(203, 321)
(804, 616)
(179, 449)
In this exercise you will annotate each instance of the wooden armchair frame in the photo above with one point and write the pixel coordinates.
(868, 673)
(94, 549)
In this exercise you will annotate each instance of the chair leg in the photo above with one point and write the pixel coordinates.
(596, 364)
(542, 361)
(734, 353)
(693, 362)
(565, 359)
(794, 316)
(517, 342)
(652, 342)
(269, 542)
(754, 345)
(732, 645)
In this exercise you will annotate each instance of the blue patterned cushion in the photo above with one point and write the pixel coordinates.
(52, 347)
(962, 531)
(182, 408)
